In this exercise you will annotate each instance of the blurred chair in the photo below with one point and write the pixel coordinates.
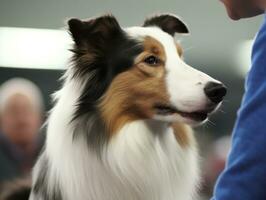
(21, 111)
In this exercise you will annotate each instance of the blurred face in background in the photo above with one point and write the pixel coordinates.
(238, 9)
(20, 121)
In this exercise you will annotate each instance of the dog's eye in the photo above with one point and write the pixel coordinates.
(152, 60)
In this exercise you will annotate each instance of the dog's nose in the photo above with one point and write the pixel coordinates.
(215, 91)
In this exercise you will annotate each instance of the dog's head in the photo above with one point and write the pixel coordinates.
(138, 73)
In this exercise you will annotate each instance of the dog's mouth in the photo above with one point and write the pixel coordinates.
(166, 110)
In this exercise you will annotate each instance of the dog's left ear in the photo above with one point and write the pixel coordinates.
(168, 23)
(94, 30)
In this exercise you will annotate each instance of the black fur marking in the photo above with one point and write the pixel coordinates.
(167, 23)
(102, 50)
(95, 136)
(40, 187)
(111, 52)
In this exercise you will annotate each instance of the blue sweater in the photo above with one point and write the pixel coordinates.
(244, 177)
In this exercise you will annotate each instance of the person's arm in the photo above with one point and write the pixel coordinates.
(244, 177)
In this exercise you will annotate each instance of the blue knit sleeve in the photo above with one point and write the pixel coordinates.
(244, 177)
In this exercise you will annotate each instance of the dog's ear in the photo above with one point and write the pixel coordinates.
(104, 27)
(168, 23)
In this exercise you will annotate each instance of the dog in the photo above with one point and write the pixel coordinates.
(121, 125)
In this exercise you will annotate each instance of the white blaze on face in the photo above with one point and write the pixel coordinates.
(184, 83)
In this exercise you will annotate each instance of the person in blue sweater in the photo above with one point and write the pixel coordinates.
(244, 177)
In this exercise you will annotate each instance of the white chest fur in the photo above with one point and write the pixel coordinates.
(140, 163)
(146, 156)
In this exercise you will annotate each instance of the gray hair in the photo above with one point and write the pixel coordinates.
(24, 87)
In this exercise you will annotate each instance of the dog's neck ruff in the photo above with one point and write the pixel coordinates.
(143, 161)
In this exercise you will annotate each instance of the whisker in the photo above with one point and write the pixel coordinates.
(222, 111)
(210, 122)
(188, 49)
(206, 126)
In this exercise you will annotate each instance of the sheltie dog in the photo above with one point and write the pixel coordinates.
(120, 127)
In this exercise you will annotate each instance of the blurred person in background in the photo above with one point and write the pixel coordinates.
(244, 177)
(21, 107)
(214, 164)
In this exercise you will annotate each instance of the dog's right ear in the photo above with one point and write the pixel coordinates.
(102, 28)
(76, 28)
